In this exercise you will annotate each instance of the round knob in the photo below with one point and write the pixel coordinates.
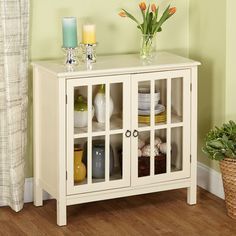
(135, 133)
(128, 133)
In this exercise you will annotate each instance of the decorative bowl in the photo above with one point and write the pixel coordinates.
(81, 118)
(147, 96)
(146, 105)
(144, 100)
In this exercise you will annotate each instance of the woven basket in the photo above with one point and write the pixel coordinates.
(144, 165)
(228, 170)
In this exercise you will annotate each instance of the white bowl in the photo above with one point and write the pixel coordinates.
(146, 105)
(147, 96)
(144, 90)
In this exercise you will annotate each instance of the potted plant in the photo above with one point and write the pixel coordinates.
(220, 145)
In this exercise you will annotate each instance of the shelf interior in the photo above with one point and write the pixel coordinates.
(174, 120)
(115, 176)
(116, 123)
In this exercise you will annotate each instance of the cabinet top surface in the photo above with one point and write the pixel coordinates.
(128, 63)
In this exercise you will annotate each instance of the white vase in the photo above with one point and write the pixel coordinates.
(100, 105)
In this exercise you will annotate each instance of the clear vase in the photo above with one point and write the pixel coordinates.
(147, 46)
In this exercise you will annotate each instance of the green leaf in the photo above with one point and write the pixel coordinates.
(150, 25)
(131, 17)
(145, 22)
(215, 144)
(162, 20)
(155, 15)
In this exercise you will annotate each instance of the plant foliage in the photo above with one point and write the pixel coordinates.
(221, 142)
(152, 23)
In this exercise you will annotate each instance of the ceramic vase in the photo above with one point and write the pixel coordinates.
(100, 105)
(79, 167)
(81, 112)
(98, 160)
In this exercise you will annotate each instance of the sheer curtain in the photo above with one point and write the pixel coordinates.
(14, 28)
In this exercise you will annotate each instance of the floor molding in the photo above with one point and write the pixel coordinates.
(209, 179)
(29, 191)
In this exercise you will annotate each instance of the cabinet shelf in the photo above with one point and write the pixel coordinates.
(176, 121)
(115, 176)
(98, 129)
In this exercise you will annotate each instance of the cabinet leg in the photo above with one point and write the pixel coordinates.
(192, 195)
(38, 195)
(61, 213)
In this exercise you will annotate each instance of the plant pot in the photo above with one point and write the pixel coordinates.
(228, 170)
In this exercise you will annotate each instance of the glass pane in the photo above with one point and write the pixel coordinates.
(98, 159)
(176, 100)
(176, 149)
(80, 169)
(144, 103)
(116, 92)
(160, 151)
(99, 108)
(160, 101)
(116, 157)
(80, 110)
(144, 154)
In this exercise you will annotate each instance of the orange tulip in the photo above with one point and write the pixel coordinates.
(142, 6)
(153, 8)
(122, 14)
(172, 10)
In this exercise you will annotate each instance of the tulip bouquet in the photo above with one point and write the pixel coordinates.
(151, 24)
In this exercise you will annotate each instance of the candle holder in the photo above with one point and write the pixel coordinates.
(71, 55)
(88, 52)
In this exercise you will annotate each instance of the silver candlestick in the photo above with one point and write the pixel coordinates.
(89, 52)
(71, 55)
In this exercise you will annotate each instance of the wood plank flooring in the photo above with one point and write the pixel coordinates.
(164, 213)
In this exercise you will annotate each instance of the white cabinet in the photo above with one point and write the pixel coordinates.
(148, 143)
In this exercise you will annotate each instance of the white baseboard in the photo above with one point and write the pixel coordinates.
(207, 178)
(210, 180)
(28, 194)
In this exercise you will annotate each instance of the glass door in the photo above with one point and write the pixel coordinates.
(98, 117)
(161, 124)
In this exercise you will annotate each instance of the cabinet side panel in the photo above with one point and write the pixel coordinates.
(48, 131)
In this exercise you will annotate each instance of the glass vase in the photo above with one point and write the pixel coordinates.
(147, 46)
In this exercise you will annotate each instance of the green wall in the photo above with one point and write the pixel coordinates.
(114, 34)
(230, 60)
(208, 45)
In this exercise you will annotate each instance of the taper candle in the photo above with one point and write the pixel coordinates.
(88, 34)
(69, 28)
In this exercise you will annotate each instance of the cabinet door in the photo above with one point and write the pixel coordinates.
(161, 126)
(98, 116)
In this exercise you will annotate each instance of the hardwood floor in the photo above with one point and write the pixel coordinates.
(164, 213)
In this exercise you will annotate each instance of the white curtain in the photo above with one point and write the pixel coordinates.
(14, 29)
